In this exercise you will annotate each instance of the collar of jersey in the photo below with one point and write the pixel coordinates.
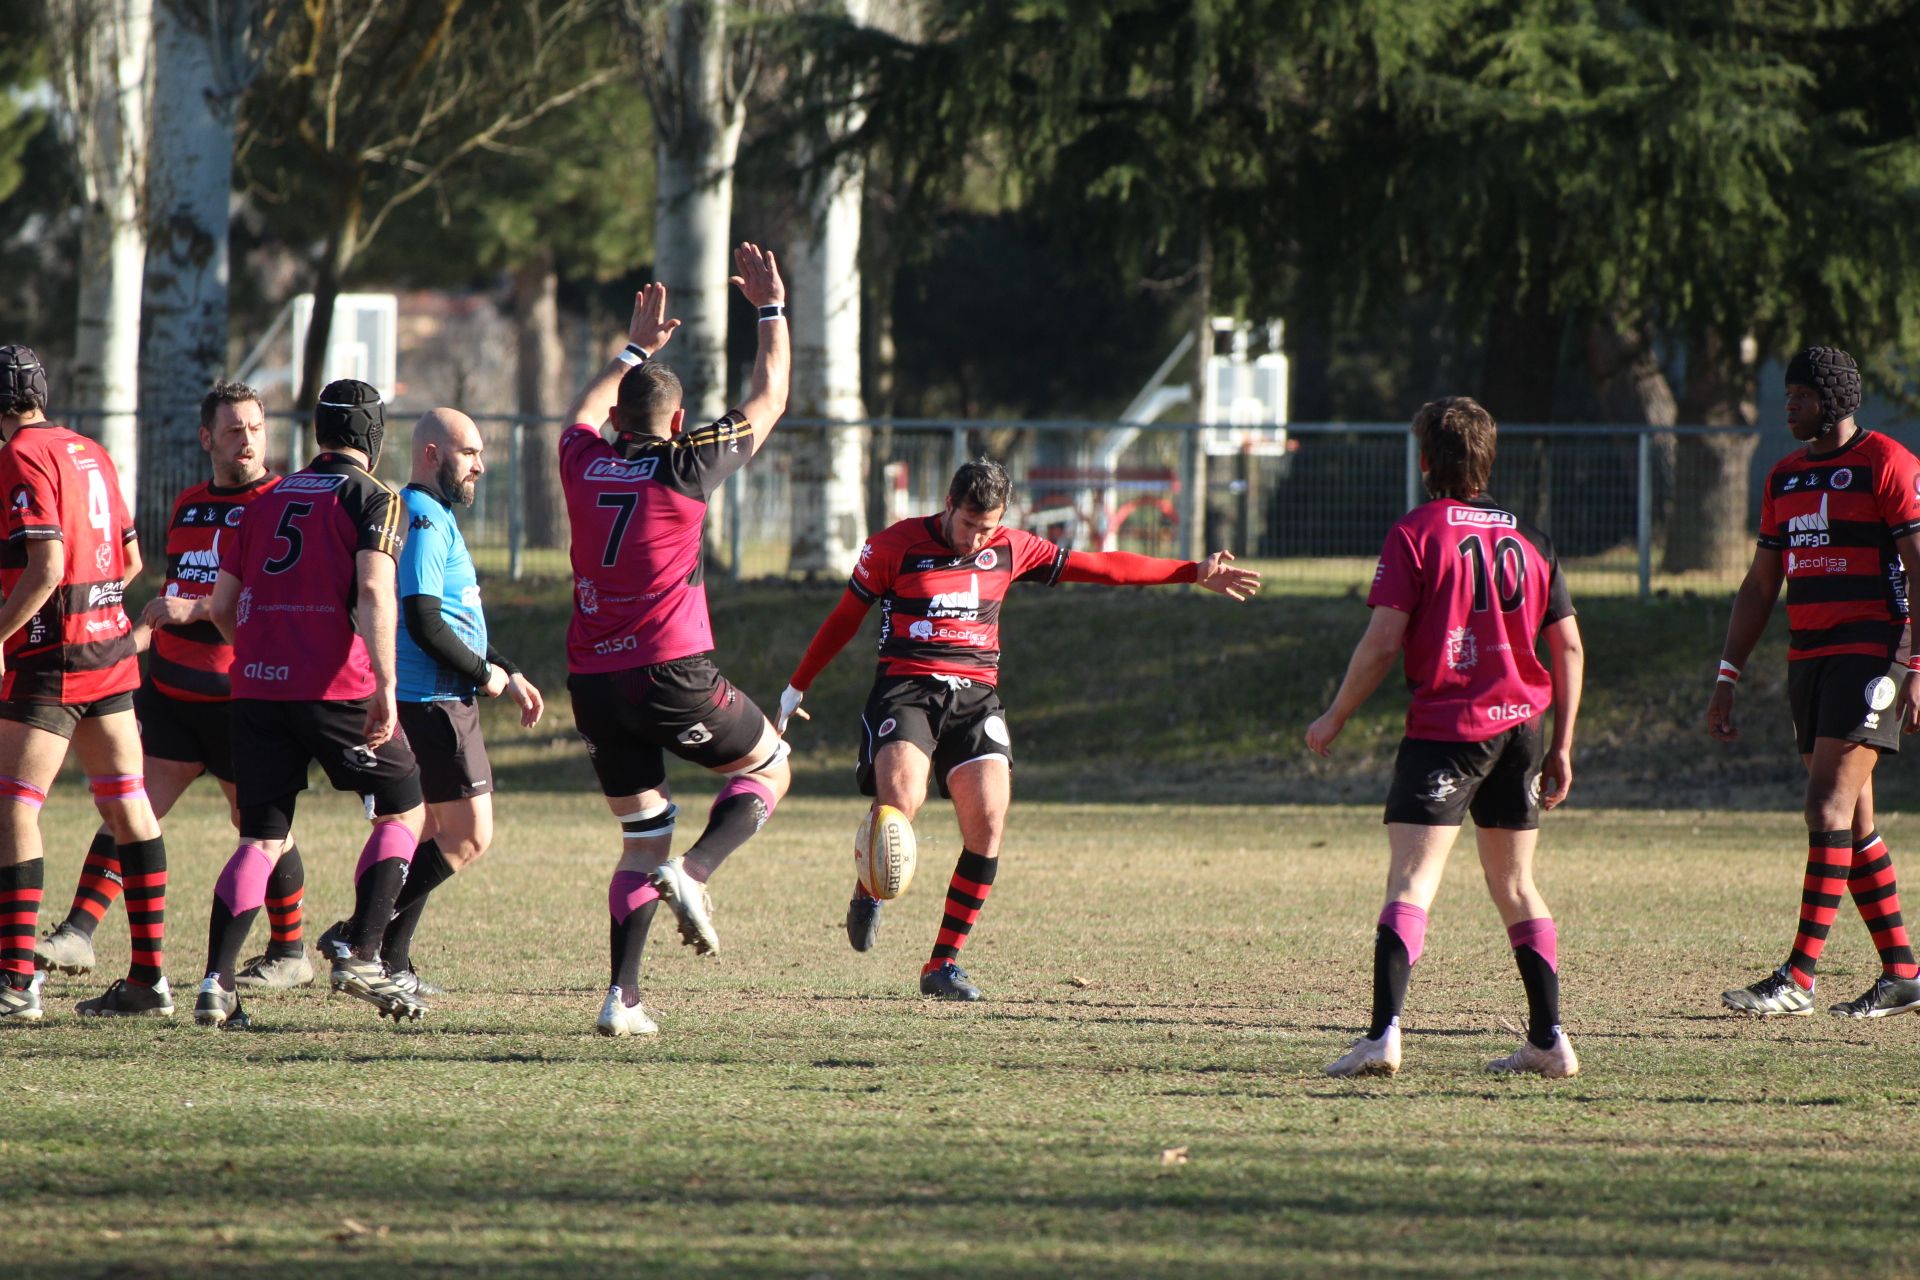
(221, 491)
(1822, 459)
(437, 497)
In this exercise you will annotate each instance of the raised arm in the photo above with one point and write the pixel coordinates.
(759, 282)
(1372, 659)
(648, 330)
(1752, 606)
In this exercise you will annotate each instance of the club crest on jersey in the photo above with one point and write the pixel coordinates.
(1841, 478)
(311, 482)
(103, 557)
(617, 469)
(1463, 651)
(586, 595)
(987, 559)
(234, 516)
(244, 608)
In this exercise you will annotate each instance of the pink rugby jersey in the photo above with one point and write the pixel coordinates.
(639, 597)
(1479, 584)
(295, 555)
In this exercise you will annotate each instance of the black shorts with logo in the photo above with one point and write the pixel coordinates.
(1849, 696)
(954, 721)
(190, 732)
(1436, 784)
(64, 717)
(630, 719)
(446, 741)
(274, 742)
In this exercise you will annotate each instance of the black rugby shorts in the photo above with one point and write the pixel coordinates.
(630, 719)
(1437, 783)
(953, 721)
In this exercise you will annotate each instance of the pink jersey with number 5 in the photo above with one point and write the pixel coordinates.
(1479, 584)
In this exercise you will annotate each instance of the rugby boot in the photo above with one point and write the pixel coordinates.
(1376, 1057)
(275, 973)
(64, 949)
(948, 982)
(215, 1007)
(1887, 996)
(863, 920)
(336, 943)
(692, 905)
(21, 1004)
(618, 1018)
(124, 999)
(1777, 993)
(367, 980)
(408, 979)
(1557, 1063)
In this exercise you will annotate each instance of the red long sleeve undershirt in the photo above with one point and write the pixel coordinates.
(1103, 568)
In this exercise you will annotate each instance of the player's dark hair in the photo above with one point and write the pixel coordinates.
(1457, 441)
(649, 393)
(223, 392)
(982, 485)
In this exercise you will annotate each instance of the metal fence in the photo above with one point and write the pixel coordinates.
(1312, 516)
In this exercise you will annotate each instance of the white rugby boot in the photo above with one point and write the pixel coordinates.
(1379, 1057)
(618, 1018)
(1557, 1063)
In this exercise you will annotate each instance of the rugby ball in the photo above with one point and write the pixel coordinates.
(884, 852)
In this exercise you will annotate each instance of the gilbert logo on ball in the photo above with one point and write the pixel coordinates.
(885, 852)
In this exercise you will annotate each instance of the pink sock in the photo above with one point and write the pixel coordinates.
(627, 892)
(746, 784)
(389, 840)
(1410, 922)
(243, 881)
(1541, 936)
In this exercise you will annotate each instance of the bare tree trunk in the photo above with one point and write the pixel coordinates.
(202, 61)
(829, 464)
(104, 48)
(539, 373)
(1710, 529)
(1633, 387)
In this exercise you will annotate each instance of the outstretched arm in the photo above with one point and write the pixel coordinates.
(648, 329)
(1372, 658)
(759, 282)
(841, 626)
(1123, 569)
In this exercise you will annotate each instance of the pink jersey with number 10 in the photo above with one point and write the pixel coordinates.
(1479, 584)
(638, 594)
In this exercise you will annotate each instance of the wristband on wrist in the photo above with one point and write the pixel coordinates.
(773, 311)
(1913, 663)
(1729, 674)
(634, 354)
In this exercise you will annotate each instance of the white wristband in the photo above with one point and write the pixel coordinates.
(634, 354)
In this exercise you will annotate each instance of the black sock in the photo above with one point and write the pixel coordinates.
(286, 889)
(226, 934)
(430, 870)
(1543, 996)
(373, 897)
(626, 943)
(1391, 970)
(734, 819)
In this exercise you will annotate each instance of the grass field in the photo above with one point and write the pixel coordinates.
(1177, 947)
(1160, 978)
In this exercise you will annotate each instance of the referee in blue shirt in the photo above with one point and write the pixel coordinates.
(445, 665)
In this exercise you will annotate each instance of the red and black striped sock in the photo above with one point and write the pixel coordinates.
(143, 869)
(1829, 862)
(966, 895)
(286, 890)
(1876, 893)
(99, 885)
(20, 889)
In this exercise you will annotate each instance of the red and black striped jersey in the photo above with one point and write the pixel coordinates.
(1835, 517)
(295, 553)
(78, 648)
(191, 662)
(940, 610)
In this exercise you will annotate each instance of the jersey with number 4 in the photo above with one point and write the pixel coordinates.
(638, 594)
(295, 556)
(1479, 585)
(78, 648)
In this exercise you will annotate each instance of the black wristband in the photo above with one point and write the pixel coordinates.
(773, 311)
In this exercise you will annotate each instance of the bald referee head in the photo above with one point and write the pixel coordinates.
(446, 454)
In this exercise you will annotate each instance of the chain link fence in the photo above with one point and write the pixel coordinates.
(1311, 516)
